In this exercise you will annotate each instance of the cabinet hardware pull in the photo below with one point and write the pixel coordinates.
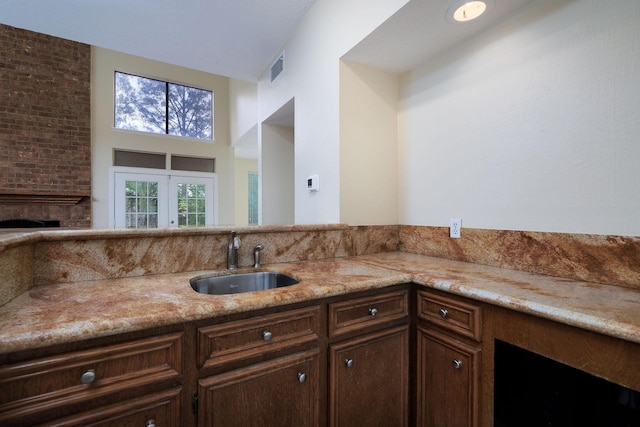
(151, 423)
(444, 313)
(266, 335)
(88, 377)
(302, 377)
(373, 312)
(457, 364)
(348, 363)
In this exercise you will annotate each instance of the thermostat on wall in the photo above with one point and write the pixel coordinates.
(313, 183)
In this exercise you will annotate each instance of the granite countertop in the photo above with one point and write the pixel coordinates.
(54, 314)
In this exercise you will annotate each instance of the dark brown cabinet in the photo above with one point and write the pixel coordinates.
(447, 361)
(448, 372)
(279, 392)
(369, 371)
(342, 361)
(369, 379)
(271, 369)
(106, 385)
(353, 360)
(260, 371)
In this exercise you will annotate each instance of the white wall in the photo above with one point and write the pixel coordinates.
(243, 107)
(311, 76)
(276, 175)
(105, 138)
(368, 146)
(532, 126)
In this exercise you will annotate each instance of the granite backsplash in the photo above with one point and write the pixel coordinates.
(48, 257)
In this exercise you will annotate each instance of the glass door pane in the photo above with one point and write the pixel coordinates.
(138, 200)
(192, 201)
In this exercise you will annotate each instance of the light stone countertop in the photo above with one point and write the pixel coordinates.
(55, 314)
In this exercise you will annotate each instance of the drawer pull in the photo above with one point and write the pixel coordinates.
(88, 377)
(266, 335)
(348, 363)
(444, 313)
(302, 377)
(151, 423)
(457, 364)
(373, 312)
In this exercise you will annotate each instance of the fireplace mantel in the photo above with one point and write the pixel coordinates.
(42, 198)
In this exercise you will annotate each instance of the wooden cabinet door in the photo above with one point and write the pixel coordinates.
(447, 381)
(368, 380)
(280, 392)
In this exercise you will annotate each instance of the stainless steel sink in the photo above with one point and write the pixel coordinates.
(241, 282)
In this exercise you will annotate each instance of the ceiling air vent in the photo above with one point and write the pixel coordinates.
(278, 67)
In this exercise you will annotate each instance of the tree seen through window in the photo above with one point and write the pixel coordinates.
(155, 106)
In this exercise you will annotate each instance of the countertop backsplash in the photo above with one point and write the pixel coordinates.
(37, 258)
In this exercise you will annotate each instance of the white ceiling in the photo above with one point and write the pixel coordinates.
(240, 38)
(233, 38)
(420, 30)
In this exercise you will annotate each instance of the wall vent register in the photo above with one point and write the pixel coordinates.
(277, 68)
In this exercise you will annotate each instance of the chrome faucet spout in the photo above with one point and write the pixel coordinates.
(232, 251)
(256, 255)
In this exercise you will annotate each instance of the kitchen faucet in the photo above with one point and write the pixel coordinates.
(232, 251)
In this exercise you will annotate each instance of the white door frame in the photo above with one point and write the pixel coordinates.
(167, 180)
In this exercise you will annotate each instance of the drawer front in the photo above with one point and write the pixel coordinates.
(47, 383)
(244, 339)
(457, 316)
(158, 409)
(360, 313)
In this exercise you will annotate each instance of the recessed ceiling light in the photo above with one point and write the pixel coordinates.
(464, 10)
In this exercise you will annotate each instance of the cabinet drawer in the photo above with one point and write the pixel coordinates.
(457, 316)
(48, 383)
(360, 313)
(244, 339)
(158, 409)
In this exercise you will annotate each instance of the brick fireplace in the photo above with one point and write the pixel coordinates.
(45, 128)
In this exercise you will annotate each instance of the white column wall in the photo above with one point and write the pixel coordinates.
(311, 76)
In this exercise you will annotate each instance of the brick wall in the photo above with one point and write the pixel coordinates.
(45, 128)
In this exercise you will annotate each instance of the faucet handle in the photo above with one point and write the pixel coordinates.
(256, 255)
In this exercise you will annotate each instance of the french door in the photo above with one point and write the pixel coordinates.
(144, 198)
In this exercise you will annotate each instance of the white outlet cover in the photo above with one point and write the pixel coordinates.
(455, 224)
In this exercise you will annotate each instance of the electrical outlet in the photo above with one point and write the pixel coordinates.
(455, 224)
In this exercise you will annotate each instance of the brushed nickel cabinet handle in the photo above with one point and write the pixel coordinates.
(88, 377)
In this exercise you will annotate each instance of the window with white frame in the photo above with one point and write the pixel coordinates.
(150, 105)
